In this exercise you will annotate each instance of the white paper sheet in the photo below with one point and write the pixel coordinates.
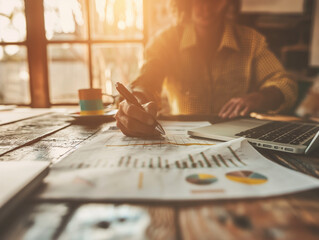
(170, 171)
(112, 146)
(273, 6)
(21, 113)
(7, 107)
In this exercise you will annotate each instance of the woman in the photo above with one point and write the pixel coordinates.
(207, 65)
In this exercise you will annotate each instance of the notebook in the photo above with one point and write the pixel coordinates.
(293, 137)
(17, 180)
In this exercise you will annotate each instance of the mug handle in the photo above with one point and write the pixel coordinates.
(110, 96)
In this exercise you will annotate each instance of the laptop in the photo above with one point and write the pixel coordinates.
(292, 137)
(18, 180)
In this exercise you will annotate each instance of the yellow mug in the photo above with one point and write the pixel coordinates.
(91, 102)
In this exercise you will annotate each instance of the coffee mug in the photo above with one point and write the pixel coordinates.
(91, 102)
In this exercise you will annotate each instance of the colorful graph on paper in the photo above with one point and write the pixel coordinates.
(201, 179)
(222, 171)
(247, 177)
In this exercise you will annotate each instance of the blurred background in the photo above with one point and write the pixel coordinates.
(51, 48)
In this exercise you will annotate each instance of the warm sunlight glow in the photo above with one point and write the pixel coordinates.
(174, 107)
(11, 50)
(24, 75)
(108, 82)
(62, 17)
(11, 35)
(1, 53)
(109, 18)
(128, 13)
(123, 13)
(12, 21)
(100, 6)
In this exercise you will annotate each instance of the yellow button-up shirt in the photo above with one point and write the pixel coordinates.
(243, 64)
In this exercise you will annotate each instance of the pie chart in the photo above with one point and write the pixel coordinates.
(201, 179)
(247, 177)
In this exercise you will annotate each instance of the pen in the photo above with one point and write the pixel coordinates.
(132, 99)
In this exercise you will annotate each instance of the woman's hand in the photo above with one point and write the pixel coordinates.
(135, 122)
(265, 100)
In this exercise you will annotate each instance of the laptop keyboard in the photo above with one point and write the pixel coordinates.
(282, 132)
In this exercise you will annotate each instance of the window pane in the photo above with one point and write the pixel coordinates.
(14, 75)
(65, 19)
(68, 71)
(120, 19)
(159, 15)
(12, 21)
(115, 63)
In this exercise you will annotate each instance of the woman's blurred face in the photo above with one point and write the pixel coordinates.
(207, 12)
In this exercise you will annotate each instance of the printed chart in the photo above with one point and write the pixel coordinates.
(247, 177)
(201, 179)
(191, 161)
(114, 150)
(229, 170)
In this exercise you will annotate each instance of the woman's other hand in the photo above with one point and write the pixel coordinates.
(267, 99)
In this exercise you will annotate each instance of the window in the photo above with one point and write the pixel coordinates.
(51, 48)
(14, 73)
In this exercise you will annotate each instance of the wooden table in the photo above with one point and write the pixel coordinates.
(53, 136)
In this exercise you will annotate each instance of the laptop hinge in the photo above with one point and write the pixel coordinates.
(314, 144)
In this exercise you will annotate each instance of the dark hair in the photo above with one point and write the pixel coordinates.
(183, 8)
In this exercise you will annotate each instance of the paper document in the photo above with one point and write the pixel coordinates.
(21, 113)
(175, 168)
(7, 107)
(112, 146)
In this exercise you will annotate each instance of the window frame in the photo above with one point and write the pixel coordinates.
(37, 45)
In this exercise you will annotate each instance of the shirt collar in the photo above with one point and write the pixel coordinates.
(229, 40)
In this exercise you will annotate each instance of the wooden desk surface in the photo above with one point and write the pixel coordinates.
(51, 137)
